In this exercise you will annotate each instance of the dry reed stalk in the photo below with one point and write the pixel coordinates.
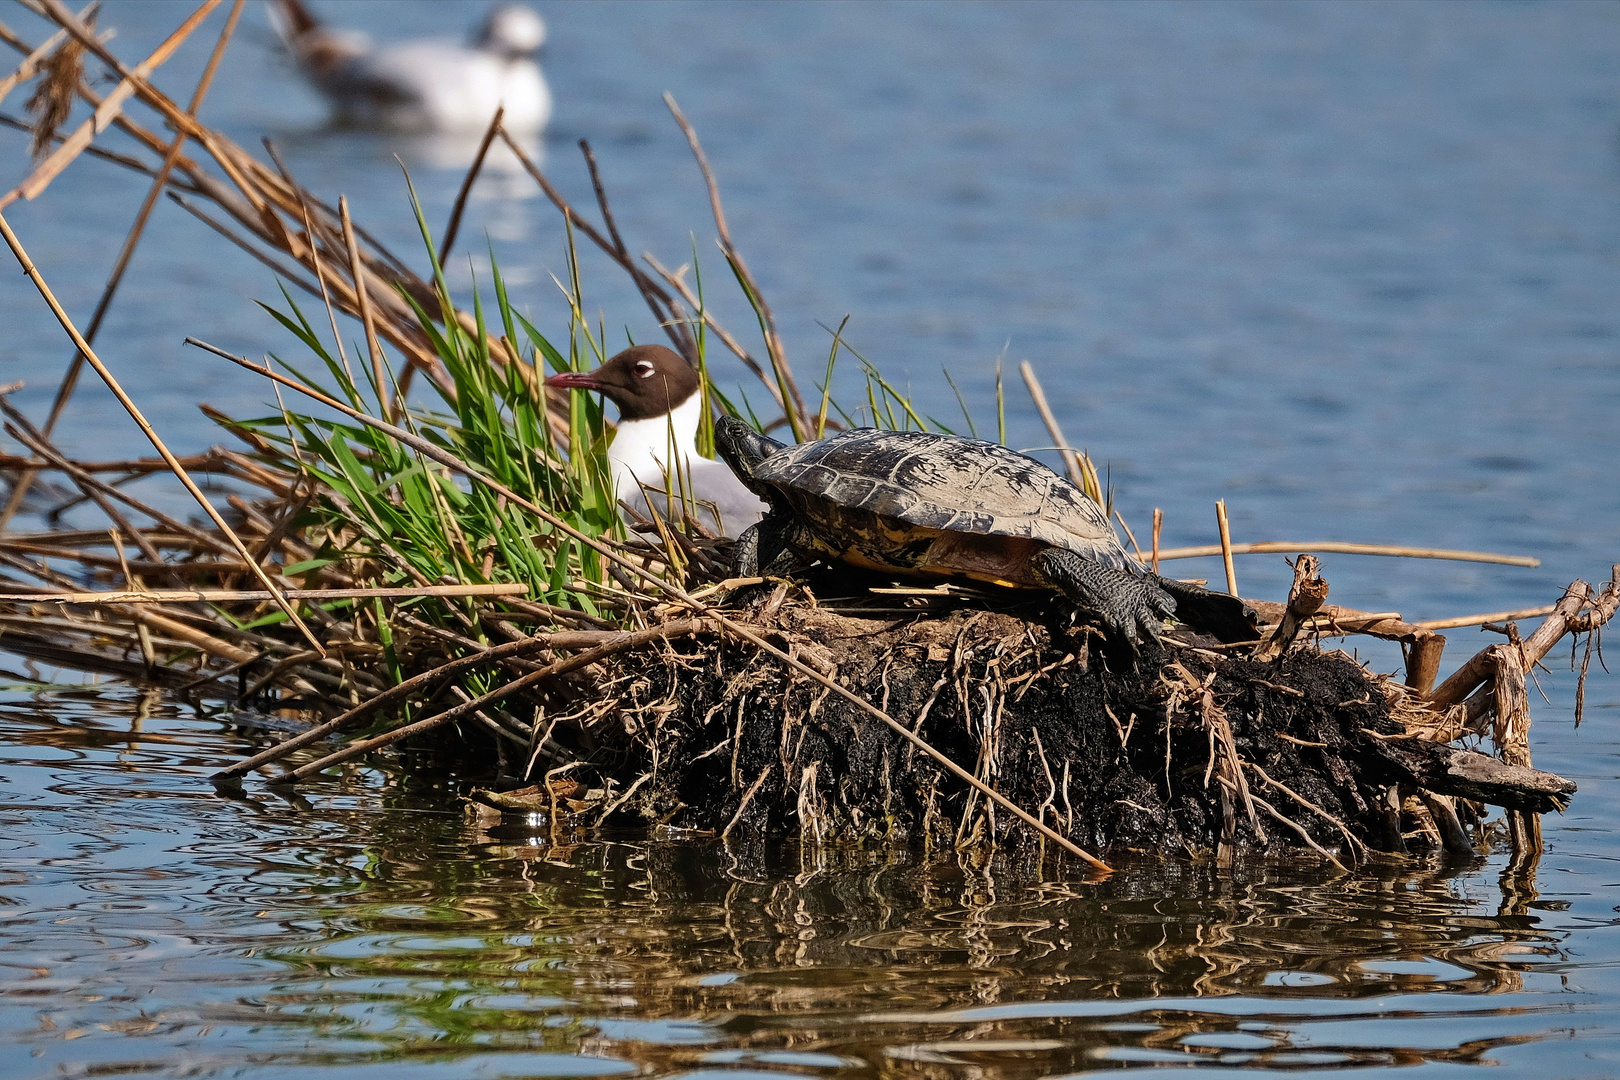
(52, 100)
(755, 368)
(1226, 546)
(453, 227)
(134, 411)
(111, 105)
(180, 596)
(260, 195)
(160, 181)
(34, 61)
(1274, 547)
(209, 461)
(122, 160)
(141, 216)
(671, 318)
(1081, 471)
(368, 319)
(798, 416)
(1490, 617)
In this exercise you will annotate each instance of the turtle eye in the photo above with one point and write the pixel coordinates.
(644, 370)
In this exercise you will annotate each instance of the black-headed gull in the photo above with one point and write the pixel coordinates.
(659, 411)
(428, 85)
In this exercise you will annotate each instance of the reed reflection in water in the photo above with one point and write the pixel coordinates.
(376, 928)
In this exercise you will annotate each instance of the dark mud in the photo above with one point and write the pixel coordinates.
(1182, 751)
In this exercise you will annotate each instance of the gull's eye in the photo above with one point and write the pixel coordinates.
(644, 370)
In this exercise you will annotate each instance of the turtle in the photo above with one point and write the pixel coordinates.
(922, 504)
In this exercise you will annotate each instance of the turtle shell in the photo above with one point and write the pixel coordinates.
(885, 499)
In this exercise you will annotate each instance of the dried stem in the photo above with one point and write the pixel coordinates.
(134, 411)
(453, 227)
(111, 105)
(181, 596)
(1274, 547)
(798, 416)
(1226, 546)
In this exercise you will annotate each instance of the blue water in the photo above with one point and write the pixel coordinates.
(1352, 268)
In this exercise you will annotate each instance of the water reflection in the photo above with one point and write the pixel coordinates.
(449, 152)
(680, 955)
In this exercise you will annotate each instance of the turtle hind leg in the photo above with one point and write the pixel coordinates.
(1225, 616)
(1131, 606)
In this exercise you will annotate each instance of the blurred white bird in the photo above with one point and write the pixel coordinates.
(425, 85)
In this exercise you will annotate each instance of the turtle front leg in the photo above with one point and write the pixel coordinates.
(763, 549)
(1131, 606)
(745, 562)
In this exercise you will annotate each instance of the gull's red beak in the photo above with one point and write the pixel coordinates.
(575, 380)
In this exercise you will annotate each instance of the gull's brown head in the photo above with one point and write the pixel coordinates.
(645, 381)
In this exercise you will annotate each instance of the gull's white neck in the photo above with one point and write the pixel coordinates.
(643, 450)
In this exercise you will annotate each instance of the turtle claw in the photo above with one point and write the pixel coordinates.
(1224, 616)
(1132, 607)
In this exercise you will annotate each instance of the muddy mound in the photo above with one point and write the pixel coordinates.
(1183, 750)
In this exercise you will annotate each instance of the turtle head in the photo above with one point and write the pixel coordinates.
(743, 448)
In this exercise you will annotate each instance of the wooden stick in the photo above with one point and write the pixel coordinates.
(449, 460)
(134, 411)
(1226, 546)
(1423, 662)
(1276, 547)
(183, 596)
(1305, 599)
